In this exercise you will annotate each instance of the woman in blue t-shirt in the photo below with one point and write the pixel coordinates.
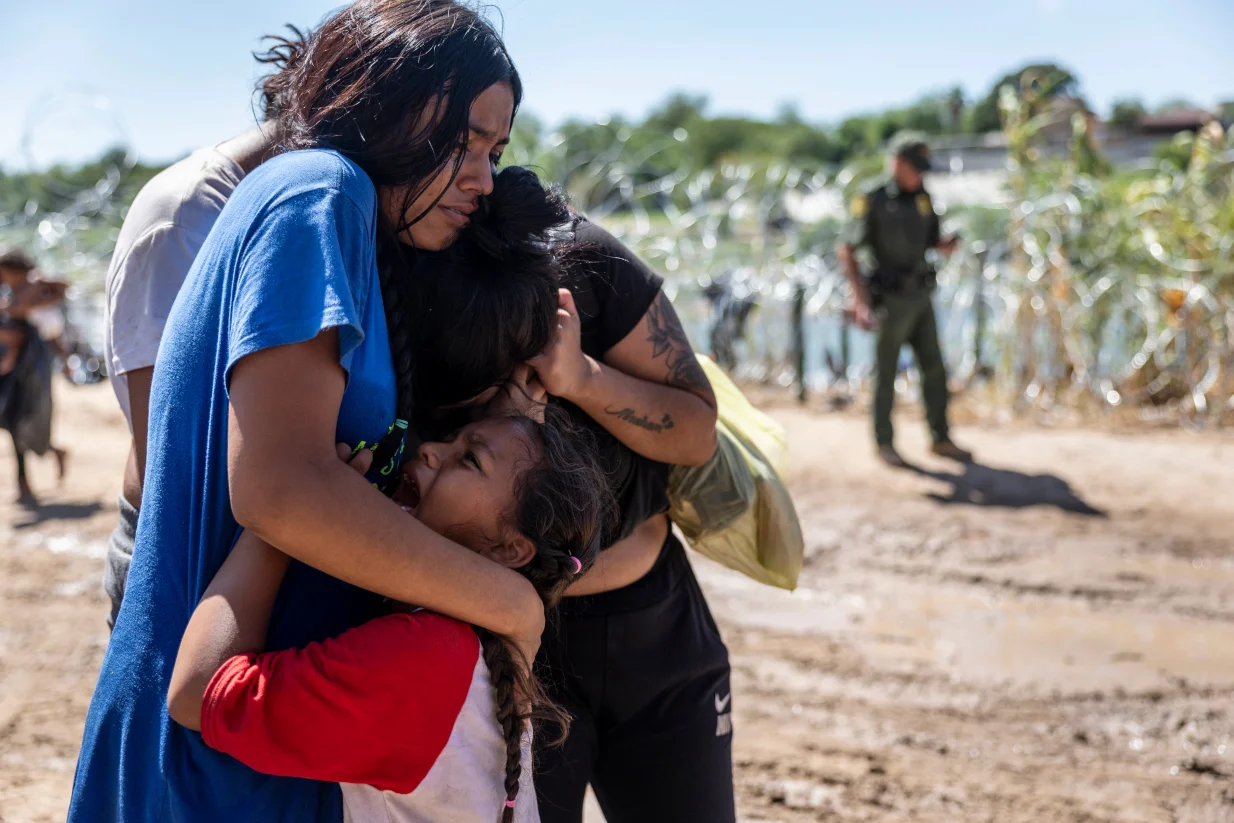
(278, 346)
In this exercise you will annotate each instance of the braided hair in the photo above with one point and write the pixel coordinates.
(562, 505)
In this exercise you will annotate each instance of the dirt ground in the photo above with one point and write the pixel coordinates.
(1047, 635)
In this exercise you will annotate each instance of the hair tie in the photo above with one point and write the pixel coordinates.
(578, 564)
(509, 804)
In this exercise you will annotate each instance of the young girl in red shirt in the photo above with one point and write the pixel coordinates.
(419, 717)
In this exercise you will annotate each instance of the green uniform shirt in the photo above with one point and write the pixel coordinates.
(896, 226)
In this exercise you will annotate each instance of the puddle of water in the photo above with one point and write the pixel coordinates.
(1047, 645)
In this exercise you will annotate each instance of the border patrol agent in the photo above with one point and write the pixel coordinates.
(897, 224)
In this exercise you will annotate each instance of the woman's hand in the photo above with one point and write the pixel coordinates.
(650, 391)
(563, 368)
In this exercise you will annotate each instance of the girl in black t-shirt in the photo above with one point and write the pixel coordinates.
(635, 656)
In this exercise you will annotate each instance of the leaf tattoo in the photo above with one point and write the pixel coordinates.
(669, 340)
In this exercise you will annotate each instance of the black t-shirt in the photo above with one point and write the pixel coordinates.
(612, 290)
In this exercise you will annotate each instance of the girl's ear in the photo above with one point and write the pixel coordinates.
(514, 552)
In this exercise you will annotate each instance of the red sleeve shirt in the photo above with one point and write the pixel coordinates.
(375, 705)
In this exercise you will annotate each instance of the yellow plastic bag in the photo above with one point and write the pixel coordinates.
(735, 508)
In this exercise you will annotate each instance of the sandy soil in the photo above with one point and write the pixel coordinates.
(1045, 636)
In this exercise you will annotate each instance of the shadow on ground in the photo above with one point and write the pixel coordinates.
(982, 485)
(35, 514)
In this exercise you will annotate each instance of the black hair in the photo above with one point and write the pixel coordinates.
(17, 260)
(389, 84)
(284, 54)
(489, 301)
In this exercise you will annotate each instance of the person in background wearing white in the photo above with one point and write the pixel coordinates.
(165, 227)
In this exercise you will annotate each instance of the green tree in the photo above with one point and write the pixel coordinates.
(725, 137)
(853, 135)
(808, 144)
(1176, 154)
(1045, 80)
(679, 110)
(955, 104)
(929, 116)
(1127, 113)
(788, 114)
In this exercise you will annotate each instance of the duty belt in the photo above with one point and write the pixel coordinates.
(895, 281)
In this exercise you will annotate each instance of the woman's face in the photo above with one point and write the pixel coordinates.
(488, 137)
(464, 486)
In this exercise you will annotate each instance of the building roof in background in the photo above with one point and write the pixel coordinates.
(1175, 121)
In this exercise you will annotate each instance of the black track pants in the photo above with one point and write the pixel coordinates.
(645, 675)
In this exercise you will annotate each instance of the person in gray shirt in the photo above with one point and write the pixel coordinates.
(165, 227)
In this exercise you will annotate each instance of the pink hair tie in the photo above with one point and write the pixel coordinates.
(578, 564)
(509, 804)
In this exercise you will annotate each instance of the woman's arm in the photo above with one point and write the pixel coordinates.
(233, 615)
(231, 619)
(289, 488)
(649, 391)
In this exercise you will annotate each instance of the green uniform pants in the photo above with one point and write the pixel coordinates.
(908, 317)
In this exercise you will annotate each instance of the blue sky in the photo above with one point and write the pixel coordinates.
(176, 75)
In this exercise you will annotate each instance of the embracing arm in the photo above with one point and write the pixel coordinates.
(138, 381)
(233, 615)
(624, 562)
(231, 619)
(289, 488)
(649, 390)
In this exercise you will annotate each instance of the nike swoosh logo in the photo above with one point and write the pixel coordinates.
(722, 702)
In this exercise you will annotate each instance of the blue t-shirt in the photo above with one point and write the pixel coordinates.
(292, 253)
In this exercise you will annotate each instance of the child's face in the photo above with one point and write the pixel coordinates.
(463, 487)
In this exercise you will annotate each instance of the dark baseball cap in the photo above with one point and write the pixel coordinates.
(912, 146)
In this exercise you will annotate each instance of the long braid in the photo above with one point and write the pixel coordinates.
(562, 506)
(507, 693)
(392, 258)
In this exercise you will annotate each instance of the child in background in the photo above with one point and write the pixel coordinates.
(26, 359)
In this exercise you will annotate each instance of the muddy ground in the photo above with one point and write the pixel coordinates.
(1045, 636)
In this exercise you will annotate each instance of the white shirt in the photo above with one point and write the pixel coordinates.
(162, 233)
(465, 783)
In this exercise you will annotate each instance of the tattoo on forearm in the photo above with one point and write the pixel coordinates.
(642, 421)
(669, 340)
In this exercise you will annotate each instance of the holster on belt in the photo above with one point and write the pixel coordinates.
(883, 282)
